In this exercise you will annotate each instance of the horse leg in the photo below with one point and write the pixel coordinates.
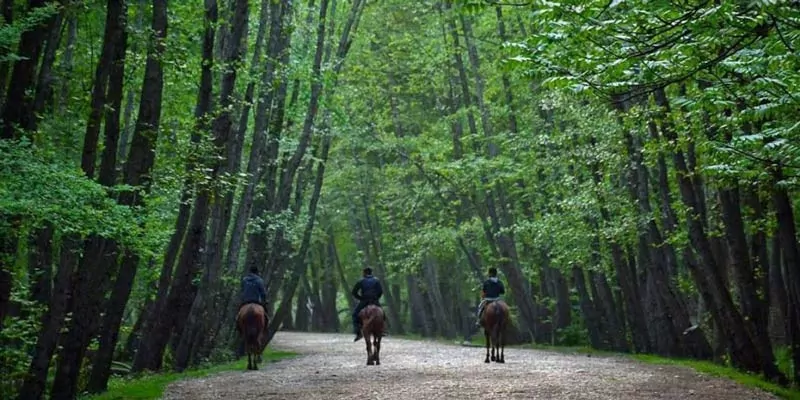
(255, 359)
(501, 343)
(249, 361)
(488, 343)
(377, 350)
(368, 341)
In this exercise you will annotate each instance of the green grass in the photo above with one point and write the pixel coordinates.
(722, 371)
(152, 386)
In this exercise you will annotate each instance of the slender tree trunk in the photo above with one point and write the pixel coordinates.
(116, 15)
(329, 289)
(159, 325)
(18, 108)
(519, 286)
(33, 388)
(299, 260)
(137, 169)
(751, 307)
(744, 354)
(7, 11)
(222, 130)
(40, 264)
(273, 10)
(587, 308)
(130, 97)
(791, 255)
(44, 85)
(66, 66)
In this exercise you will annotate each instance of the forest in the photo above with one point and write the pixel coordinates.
(630, 167)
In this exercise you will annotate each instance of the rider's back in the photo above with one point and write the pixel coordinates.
(371, 288)
(493, 288)
(252, 285)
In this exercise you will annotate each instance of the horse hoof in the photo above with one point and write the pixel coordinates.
(493, 358)
(377, 363)
(501, 361)
(486, 360)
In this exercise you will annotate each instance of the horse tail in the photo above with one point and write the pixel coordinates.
(251, 329)
(369, 320)
(500, 312)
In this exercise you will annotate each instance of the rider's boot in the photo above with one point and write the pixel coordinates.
(357, 329)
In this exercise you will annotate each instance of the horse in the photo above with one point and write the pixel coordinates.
(372, 328)
(251, 322)
(494, 320)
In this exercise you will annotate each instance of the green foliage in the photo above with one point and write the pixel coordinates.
(17, 341)
(42, 189)
(10, 32)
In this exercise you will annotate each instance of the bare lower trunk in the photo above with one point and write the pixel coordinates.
(33, 388)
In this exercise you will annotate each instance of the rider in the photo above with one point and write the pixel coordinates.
(492, 290)
(253, 290)
(368, 290)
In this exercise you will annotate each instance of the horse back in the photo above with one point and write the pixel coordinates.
(372, 319)
(497, 312)
(251, 319)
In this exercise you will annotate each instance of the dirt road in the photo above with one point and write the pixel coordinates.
(332, 367)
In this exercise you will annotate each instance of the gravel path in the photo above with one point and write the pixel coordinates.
(332, 367)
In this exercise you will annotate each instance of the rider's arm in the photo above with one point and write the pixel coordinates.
(483, 289)
(379, 290)
(356, 290)
(502, 288)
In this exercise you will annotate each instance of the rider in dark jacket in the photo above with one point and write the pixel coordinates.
(253, 290)
(368, 290)
(492, 290)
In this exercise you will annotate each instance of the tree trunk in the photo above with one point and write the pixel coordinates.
(40, 264)
(614, 327)
(18, 106)
(668, 317)
(135, 337)
(505, 245)
(137, 169)
(300, 259)
(159, 325)
(33, 388)
(744, 354)
(44, 85)
(751, 307)
(791, 255)
(116, 15)
(138, 166)
(227, 163)
(66, 65)
(274, 10)
(587, 308)
(302, 314)
(329, 289)
(419, 320)
(7, 10)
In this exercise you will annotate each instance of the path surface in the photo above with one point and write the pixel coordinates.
(332, 367)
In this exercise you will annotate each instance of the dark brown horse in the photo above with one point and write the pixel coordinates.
(252, 324)
(372, 328)
(494, 320)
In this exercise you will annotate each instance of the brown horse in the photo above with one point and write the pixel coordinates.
(252, 324)
(494, 320)
(372, 328)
